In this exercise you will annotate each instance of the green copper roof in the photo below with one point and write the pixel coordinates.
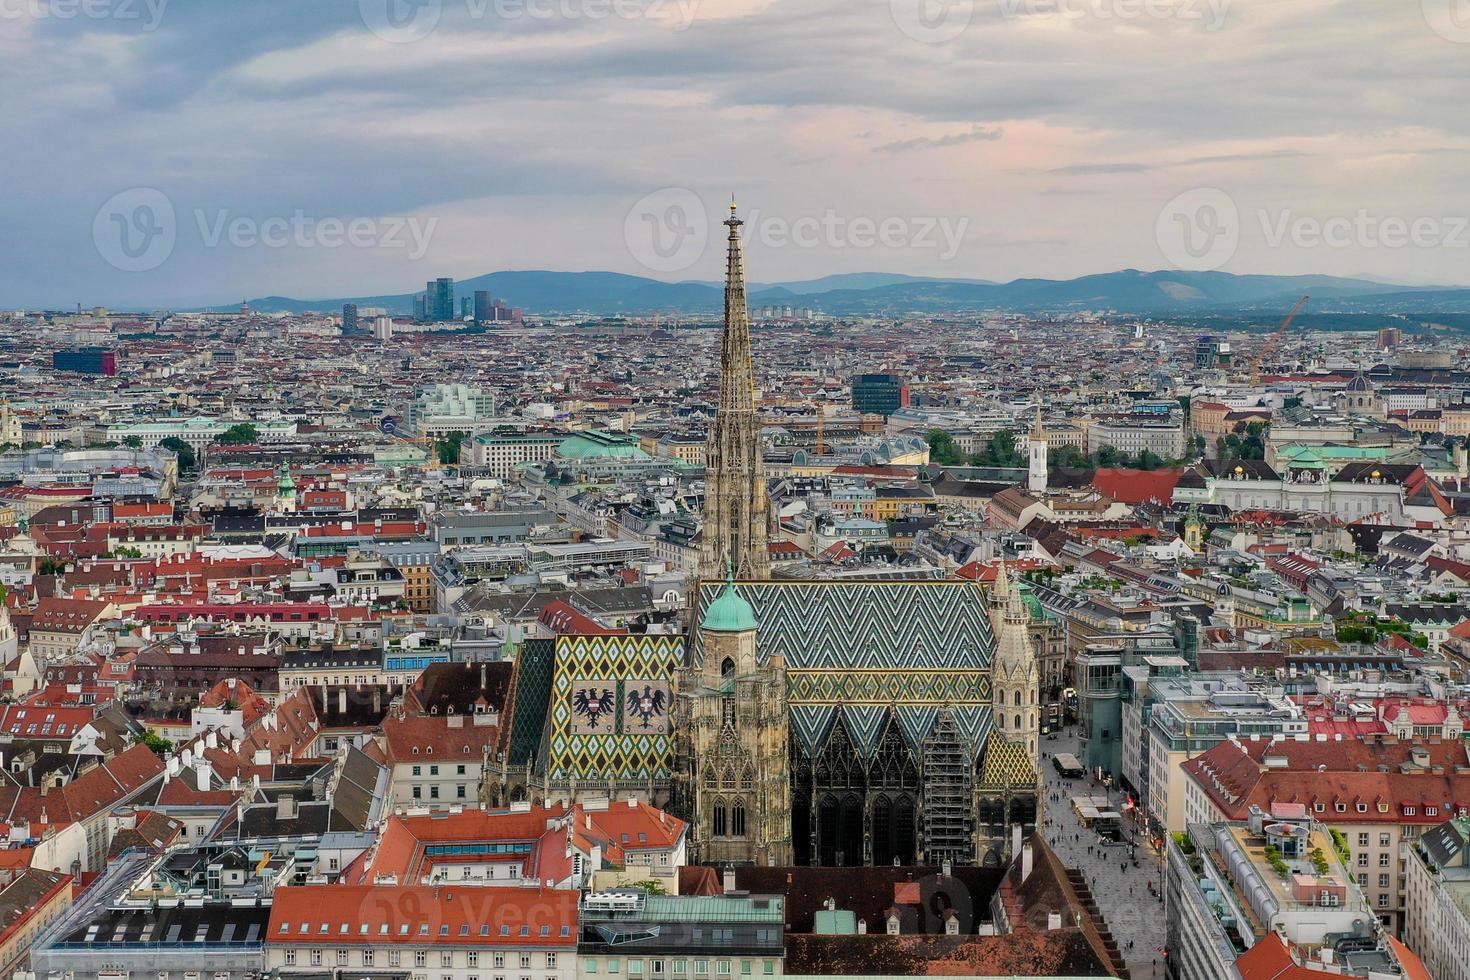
(595, 445)
(729, 613)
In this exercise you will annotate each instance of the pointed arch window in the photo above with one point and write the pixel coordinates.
(721, 819)
(737, 819)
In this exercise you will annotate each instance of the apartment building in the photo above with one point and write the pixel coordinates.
(426, 932)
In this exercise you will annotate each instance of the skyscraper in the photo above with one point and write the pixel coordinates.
(484, 312)
(439, 300)
(349, 318)
(736, 504)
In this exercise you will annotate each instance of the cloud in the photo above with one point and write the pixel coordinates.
(954, 139)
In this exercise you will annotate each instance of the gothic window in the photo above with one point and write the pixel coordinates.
(1018, 723)
(827, 822)
(727, 667)
(727, 779)
(840, 765)
(894, 766)
(905, 836)
(727, 712)
(720, 822)
(882, 831)
(747, 778)
(709, 777)
(1018, 699)
(852, 831)
(737, 819)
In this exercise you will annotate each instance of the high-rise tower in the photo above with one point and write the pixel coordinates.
(736, 506)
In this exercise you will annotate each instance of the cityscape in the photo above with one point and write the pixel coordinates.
(1014, 524)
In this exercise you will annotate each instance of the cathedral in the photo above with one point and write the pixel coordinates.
(840, 723)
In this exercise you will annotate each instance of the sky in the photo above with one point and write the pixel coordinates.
(165, 153)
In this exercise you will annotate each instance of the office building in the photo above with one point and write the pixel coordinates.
(86, 360)
(879, 394)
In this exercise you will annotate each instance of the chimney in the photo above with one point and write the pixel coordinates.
(201, 775)
(729, 882)
(286, 808)
(1026, 859)
(341, 700)
(1015, 838)
(862, 927)
(377, 699)
(1053, 921)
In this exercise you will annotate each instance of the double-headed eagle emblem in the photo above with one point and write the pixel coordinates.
(592, 704)
(646, 706)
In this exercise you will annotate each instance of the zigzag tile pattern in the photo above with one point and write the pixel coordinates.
(861, 647)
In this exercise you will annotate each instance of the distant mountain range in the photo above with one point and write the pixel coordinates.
(1129, 291)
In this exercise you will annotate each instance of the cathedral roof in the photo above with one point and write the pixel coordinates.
(863, 649)
(1007, 764)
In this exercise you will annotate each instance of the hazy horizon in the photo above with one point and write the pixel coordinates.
(170, 154)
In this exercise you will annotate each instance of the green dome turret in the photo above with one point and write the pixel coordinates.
(729, 613)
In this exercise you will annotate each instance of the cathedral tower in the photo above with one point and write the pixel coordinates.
(1015, 677)
(1036, 452)
(734, 772)
(736, 505)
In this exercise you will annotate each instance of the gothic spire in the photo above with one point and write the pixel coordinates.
(736, 505)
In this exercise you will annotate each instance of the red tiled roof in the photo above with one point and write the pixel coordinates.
(420, 915)
(1137, 486)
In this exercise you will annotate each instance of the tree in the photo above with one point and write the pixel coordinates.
(650, 886)
(156, 742)
(1002, 450)
(182, 449)
(448, 448)
(133, 442)
(942, 449)
(243, 434)
(1107, 456)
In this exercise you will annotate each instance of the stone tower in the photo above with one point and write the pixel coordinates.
(1194, 530)
(736, 505)
(1036, 452)
(733, 778)
(1015, 678)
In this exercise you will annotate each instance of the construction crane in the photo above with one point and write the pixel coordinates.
(1273, 340)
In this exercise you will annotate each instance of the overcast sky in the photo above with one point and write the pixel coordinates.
(199, 151)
